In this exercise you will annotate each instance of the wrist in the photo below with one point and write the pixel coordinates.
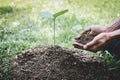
(109, 29)
(107, 35)
(105, 29)
(114, 34)
(110, 35)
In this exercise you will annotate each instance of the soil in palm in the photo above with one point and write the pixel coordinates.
(85, 38)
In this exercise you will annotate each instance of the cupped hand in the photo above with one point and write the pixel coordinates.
(76, 44)
(94, 30)
(97, 43)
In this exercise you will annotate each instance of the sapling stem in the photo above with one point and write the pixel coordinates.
(54, 32)
(53, 16)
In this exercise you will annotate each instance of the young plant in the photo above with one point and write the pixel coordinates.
(53, 16)
(112, 62)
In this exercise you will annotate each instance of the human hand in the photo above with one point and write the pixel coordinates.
(98, 42)
(94, 30)
(76, 44)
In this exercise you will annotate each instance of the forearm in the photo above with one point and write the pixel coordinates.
(113, 26)
(114, 34)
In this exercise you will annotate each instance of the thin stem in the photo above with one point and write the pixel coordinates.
(54, 31)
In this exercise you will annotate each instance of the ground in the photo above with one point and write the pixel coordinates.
(58, 63)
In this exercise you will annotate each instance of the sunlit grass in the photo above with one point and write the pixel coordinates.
(24, 24)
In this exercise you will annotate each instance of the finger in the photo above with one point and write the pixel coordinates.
(75, 39)
(97, 47)
(88, 45)
(78, 45)
(94, 48)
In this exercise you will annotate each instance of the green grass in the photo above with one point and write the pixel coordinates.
(22, 28)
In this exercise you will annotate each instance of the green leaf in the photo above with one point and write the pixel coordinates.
(60, 13)
(46, 15)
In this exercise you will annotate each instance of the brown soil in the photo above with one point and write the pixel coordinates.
(85, 38)
(56, 63)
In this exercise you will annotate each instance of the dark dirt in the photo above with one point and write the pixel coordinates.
(56, 63)
(85, 38)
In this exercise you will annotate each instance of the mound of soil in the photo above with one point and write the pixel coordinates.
(85, 38)
(56, 63)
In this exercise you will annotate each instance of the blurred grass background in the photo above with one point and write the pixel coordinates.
(22, 28)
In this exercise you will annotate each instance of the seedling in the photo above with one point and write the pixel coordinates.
(53, 16)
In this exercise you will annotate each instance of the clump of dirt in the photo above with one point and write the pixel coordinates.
(85, 38)
(57, 63)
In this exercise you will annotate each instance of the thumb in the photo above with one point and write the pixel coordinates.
(93, 42)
